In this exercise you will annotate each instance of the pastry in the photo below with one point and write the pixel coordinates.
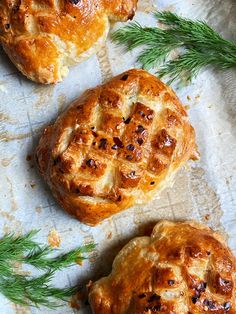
(182, 268)
(116, 146)
(44, 37)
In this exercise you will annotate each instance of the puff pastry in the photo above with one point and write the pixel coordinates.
(44, 37)
(183, 268)
(116, 146)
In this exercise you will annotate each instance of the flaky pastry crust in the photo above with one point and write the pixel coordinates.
(116, 146)
(44, 37)
(182, 268)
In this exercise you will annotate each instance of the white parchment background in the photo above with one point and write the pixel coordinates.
(205, 191)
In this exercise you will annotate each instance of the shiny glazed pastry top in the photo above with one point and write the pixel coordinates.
(183, 268)
(44, 37)
(116, 146)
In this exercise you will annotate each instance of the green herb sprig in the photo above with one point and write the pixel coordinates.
(197, 43)
(35, 291)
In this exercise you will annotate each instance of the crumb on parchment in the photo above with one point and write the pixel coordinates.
(54, 239)
(28, 158)
(109, 235)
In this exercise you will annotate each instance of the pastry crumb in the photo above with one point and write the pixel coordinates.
(89, 285)
(79, 262)
(207, 217)
(28, 157)
(54, 239)
(109, 236)
(33, 185)
(38, 209)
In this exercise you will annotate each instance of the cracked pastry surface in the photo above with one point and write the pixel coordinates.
(116, 146)
(182, 268)
(44, 37)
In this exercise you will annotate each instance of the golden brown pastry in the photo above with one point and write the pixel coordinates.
(44, 37)
(116, 146)
(183, 268)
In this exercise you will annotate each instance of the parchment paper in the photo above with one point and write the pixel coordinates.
(205, 190)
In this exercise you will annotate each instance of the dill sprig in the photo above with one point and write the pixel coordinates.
(24, 290)
(197, 43)
(35, 291)
(39, 260)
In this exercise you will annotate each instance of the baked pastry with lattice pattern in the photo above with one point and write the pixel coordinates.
(116, 146)
(182, 268)
(44, 37)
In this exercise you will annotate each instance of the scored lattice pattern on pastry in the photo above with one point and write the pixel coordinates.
(44, 37)
(116, 146)
(183, 268)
